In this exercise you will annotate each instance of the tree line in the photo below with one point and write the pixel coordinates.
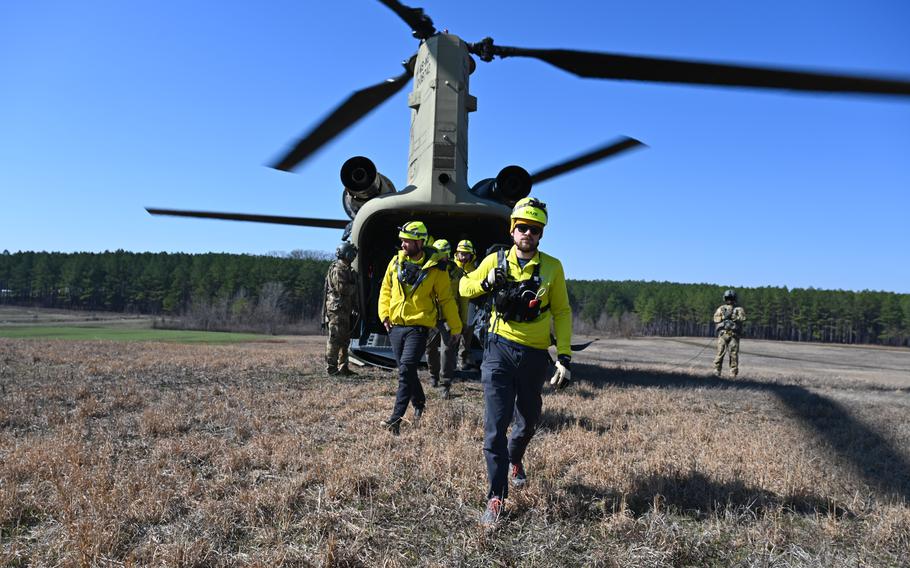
(209, 285)
(217, 288)
(799, 314)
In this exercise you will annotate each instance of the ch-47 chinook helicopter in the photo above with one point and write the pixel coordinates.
(437, 190)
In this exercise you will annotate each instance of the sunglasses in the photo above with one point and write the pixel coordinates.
(522, 228)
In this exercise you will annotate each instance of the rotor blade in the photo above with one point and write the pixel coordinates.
(613, 148)
(274, 219)
(421, 24)
(347, 113)
(615, 66)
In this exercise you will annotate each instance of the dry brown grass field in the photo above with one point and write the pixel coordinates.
(245, 455)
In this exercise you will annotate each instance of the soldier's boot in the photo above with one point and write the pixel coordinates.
(716, 371)
(329, 370)
(346, 371)
(434, 382)
(446, 391)
(734, 372)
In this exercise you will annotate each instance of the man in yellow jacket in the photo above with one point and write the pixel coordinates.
(529, 293)
(465, 260)
(414, 284)
(439, 335)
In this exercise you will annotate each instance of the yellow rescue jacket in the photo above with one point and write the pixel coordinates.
(554, 295)
(418, 306)
(463, 302)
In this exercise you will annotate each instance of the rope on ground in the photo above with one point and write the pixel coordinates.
(710, 341)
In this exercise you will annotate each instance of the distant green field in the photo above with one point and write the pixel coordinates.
(115, 334)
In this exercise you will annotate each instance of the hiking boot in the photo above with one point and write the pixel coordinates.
(418, 413)
(392, 424)
(493, 512)
(434, 382)
(446, 392)
(734, 372)
(517, 475)
(717, 372)
(346, 372)
(331, 371)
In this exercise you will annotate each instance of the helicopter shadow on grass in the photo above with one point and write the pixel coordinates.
(694, 495)
(879, 461)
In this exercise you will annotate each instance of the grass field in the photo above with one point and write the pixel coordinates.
(170, 454)
(113, 333)
(39, 323)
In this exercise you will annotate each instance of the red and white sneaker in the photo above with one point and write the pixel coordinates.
(517, 475)
(493, 512)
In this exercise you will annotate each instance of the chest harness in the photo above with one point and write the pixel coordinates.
(410, 275)
(728, 324)
(518, 300)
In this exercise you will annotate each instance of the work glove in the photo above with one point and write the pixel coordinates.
(563, 374)
(495, 279)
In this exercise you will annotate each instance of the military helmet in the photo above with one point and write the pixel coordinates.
(465, 246)
(414, 231)
(729, 295)
(529, 209)
(443, 246)
(346, 251)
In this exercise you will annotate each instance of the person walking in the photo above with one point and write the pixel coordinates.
(438, 336)
(415, 288)
(728, 323)
(465, 256)
(339, 308)
(529, 294)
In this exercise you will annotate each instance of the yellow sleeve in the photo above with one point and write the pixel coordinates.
(442, 286)
(562, 311)
(470, 287)
(385, 291)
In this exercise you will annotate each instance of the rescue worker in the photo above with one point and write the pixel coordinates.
(414, 289)
(529, 293)
(338, 309)
(465, 261)
(439, 336)
(728, 320)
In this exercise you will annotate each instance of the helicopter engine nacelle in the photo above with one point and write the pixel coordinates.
(362, 182)
(512, 183)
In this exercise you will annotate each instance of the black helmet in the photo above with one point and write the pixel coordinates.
(346, 251)
(729, 295)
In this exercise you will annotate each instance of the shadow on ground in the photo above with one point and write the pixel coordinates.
(694, 495)
(875, 457)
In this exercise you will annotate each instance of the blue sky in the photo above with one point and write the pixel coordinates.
(108, 107)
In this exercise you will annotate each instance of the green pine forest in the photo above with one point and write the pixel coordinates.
(221, 291)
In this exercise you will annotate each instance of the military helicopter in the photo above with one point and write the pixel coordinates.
(437, 190)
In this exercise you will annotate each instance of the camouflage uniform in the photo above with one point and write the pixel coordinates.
(728, 320)
(340, 303)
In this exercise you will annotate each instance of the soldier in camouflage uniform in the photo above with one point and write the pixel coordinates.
(338, 309)
(728, 320)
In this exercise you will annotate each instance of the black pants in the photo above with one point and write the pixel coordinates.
(512, 377)
(437, 338)
(408, 345)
